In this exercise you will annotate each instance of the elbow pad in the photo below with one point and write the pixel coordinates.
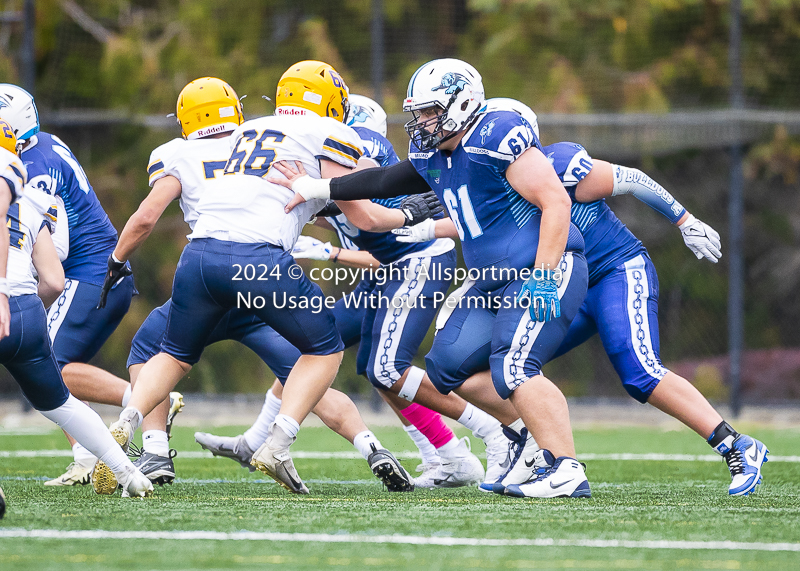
(637, 183)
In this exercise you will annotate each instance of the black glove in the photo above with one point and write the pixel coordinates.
(329, 209)
(419, 207)
(116, 271)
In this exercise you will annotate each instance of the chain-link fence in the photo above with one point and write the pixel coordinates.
(634, 81)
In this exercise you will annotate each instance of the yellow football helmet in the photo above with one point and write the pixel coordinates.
(8, 140)
(312, 86)
(208, 106)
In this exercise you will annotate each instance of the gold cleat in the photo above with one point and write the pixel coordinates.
(175, 406)
(104, 481)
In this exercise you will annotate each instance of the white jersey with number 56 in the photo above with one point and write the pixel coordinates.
(243, 206)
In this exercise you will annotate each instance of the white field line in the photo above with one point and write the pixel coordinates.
(392, 539)
(353, 455)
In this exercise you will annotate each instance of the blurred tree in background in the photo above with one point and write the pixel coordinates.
(565, 56)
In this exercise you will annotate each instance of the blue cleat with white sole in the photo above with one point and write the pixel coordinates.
(565, 479)
(745, 459)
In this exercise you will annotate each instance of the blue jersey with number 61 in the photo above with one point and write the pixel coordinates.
(608, 241)
(496, 225)
(54, 169)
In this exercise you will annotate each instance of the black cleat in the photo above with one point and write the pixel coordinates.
(386, 467)
(159, 469)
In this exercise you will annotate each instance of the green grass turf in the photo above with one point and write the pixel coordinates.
(632, 500)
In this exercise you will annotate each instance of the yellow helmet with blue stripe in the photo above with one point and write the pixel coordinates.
(7, 138)
(208, 106)
(315, 87)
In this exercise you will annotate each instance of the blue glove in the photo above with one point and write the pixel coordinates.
(543, 294)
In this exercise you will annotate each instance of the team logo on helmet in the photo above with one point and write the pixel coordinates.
(360, 114)
(486, 131)
(452, 83)
(4, 102)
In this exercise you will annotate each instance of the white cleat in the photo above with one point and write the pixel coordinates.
(463, 470)
(429, 472)
(565, 479)
(76, 475)
(135, 484)
(104, 481)
(526, 460)
(498, 458)
(274, 460)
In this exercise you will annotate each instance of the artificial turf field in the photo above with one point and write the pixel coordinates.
(653, 507)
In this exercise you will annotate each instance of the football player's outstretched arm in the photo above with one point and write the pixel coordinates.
(6, 197)
(606, 179)
(48, 266)
(533, 177)
(141, 224)
(384, 182)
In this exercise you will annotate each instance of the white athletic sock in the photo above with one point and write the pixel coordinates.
(289, 425)
(126, 397)
(156, 442)
(132, 415)
(479, 422)
(257, 434)
(427, 450)
(82, 456)
(364, 441)
(118, 461)
(86, 426)
(517, 425)
(452, 449)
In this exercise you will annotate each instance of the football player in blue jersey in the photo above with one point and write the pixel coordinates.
(622, 301)
(513, 217)
(77, 326)
(390, 334)
(25, 245)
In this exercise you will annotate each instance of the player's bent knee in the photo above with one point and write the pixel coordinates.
(641, 387)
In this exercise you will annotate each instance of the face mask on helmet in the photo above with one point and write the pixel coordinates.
(208, 106)
(444, 96)
(19, 111)
(312, 87)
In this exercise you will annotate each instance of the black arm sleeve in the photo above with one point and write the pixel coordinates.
(383, 182)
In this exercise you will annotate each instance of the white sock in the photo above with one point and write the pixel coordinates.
(479, 422)
(82, 456)
(517, 425)
(451, 450)
(289, 425)
(257, 434)
(364, 442)
(86, 426)
(156, 442)
(132, 415)
(426, 449)
(126, 397)
(117, 460)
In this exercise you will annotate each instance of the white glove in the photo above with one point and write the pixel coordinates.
(312, 249)
(701, 239)
(425, 231)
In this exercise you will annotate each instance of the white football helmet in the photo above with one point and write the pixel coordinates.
(453, 87)
(18, 110)
(364, 112)
(506, 104)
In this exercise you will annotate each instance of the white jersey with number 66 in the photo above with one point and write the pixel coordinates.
(243, 206)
